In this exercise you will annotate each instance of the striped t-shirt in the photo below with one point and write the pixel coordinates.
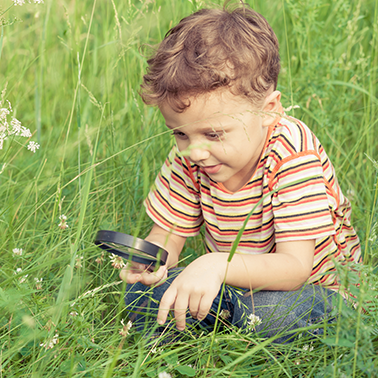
(309, 203)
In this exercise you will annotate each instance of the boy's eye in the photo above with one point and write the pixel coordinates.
(214, 136)
(178, 134)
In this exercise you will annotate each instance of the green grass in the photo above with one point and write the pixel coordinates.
(72, 70)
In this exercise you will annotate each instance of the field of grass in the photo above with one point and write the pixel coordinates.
(71, 71)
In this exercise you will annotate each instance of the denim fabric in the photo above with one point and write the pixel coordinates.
(277, 311)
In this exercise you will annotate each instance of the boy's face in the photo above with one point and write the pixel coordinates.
(223, 134)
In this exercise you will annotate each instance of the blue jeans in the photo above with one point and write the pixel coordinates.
(267, 313)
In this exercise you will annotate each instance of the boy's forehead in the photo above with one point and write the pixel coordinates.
(210, 110)
(213, 103)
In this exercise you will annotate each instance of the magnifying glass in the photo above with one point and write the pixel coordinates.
(131, 248)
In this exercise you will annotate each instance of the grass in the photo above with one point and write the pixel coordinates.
(72, 70)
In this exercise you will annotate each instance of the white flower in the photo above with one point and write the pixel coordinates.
(33, 146)
(16, 124)
(26, 134)
(49, 344)
(23, 278)
(117, 261)
(74, 313)
(291, 107)
(3, 113)
(164, 374)
(125, 328)
(17, 251)
(308, 348)
(252, 321)
(78, 262)
(38, 283)
(63, 224)
(22, 2)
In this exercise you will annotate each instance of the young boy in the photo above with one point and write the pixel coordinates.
(214, 79)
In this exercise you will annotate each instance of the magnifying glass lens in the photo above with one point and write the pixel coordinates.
(129, 251)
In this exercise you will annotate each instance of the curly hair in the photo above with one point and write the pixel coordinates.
(232, 48)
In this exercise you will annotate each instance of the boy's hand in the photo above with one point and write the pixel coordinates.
(195, 288)
(134, 272)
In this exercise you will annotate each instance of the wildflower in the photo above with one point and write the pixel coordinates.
(22, 2)
(16, 124)
(252, 321)
(38, 283)
(291, 107)
(117, 261)
(63, 222)
(27, 134)
(17, 251)
(23, 278)
(49, 344)
(308, 348)
(33, 146)
(74, 313)
(224, 314)
(351, 194)
(164, 374)
(78, 262)
(3, 113)
(99, 260)
(125, 328)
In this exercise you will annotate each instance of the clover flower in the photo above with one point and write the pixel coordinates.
(78, 262)
(38, 283)
(164, 374)
(23, 278)
(117, 261)
(63, 222)
(253, 321)
(17, 251)
(125, 328)
(49, 344)
(100, 259)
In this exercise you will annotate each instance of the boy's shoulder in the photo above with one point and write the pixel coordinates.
(291, 137)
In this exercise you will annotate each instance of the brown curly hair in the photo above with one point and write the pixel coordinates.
(232, 48)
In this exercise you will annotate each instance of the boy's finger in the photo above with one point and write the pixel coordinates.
(166, 303)
(194, 305)
(181, 305)
(129, 277)
(151, 278)
(204, 307)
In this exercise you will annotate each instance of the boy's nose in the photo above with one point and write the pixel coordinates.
(198, 154)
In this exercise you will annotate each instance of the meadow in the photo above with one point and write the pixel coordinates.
(71, 71)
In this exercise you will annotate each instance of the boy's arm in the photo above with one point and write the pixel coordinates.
(197, 286)
(172, 243)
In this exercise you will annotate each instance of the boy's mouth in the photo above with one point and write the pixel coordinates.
(212, 169)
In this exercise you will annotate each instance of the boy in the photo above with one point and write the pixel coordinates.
(214, 79)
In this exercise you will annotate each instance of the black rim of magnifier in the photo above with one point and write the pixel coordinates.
(158, 255)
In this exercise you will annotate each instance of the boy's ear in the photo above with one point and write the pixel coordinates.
(272, 104)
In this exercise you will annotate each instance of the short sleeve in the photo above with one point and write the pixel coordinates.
(174, 201)
(301, 209)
